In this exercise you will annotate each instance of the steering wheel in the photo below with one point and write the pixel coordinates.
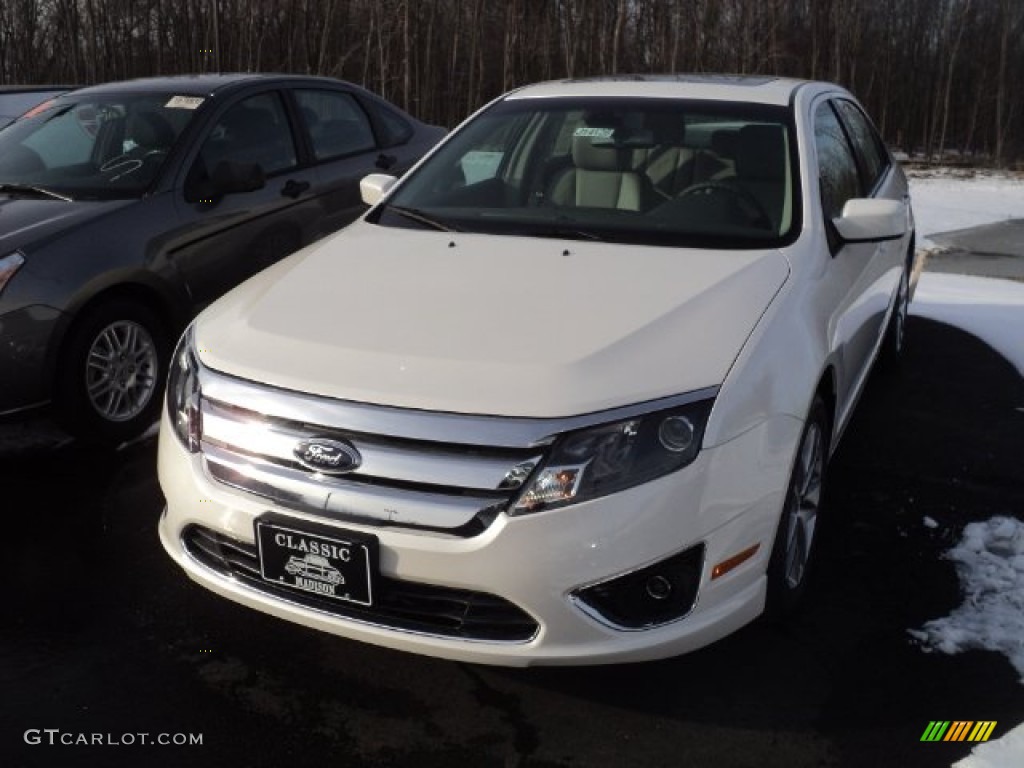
(746, 201)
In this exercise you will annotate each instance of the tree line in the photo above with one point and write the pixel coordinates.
(937, 75)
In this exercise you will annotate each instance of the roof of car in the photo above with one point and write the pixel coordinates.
(194, 85)
(750, 88)
(34, 88)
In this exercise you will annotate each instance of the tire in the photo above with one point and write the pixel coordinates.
(792, 557)
(894, 343)
(111, 374)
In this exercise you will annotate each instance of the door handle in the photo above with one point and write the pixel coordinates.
(293, 188)
(384, 162)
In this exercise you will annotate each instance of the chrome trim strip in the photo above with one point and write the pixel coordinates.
(341, 499)
(337, 617)
(412, 424)
(430, 466)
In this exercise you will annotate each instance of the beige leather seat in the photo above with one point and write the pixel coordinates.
(601, 177)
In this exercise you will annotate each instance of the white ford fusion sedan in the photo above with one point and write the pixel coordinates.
(567, 393)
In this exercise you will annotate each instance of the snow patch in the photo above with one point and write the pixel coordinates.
(929, 522)
(1004, 752)
(945, 203)
(989, 308)
(990, 562)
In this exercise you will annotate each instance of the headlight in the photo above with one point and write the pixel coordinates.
(612, 457)
(183, 393)
(9, 264)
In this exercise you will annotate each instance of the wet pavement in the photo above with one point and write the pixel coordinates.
(102, 634)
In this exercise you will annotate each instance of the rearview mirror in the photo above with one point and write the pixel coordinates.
(230, 178)
(372, 188)
(868, 220)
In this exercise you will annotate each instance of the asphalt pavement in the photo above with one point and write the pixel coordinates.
(102, 635)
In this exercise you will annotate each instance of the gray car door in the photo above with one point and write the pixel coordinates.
(222, 240)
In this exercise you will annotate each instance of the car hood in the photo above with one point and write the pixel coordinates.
(26, 222)
(488, 324)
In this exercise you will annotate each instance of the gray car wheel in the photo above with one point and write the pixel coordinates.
(121, 369)
(111, 372)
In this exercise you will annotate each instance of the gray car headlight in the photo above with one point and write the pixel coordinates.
(9, 264)
(183, 393)
(609, 458)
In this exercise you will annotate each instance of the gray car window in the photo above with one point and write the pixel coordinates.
(337, 124)
(253, 131)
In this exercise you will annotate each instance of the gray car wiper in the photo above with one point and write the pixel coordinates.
(28, 189)
(414, 214)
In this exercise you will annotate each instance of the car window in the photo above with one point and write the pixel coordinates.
(652, 171)
(99, 146)
(336, 123)
(255, 130)
(396, 127)
(866, 141)
(837, 169)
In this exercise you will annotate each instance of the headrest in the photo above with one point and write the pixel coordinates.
(589, 155)
(151, 130)
(761, 153)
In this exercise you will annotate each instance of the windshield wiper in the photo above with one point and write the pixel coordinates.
(414, 214)
(563, 233)
(28, 189)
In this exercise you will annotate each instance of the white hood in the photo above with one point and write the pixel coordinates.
(487, 324)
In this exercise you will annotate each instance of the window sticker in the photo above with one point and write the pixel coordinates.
(184, 102)
(594, 133)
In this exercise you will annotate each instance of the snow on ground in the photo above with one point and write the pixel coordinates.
(990, 556)
(1005, 752)
(990, 562)
(945, 201)
(989, 308)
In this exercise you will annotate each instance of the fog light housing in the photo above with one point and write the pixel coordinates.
(655, 595)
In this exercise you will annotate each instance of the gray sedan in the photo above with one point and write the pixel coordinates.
(127, 207)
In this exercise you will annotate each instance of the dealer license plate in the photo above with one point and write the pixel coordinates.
(335, 564)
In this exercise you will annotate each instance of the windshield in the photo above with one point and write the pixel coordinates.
(97, 147)
(652, 171)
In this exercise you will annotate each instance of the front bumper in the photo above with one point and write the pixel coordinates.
(26, 336)
(729, 500)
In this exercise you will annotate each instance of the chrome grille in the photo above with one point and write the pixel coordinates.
(405, 605)
(443, 487)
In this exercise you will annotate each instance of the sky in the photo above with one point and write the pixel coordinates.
(990, 554)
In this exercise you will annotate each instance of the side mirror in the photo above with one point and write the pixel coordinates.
(867, 220)
(372, 188)
(230, 178)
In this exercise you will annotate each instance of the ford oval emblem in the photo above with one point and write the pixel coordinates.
(331, 457)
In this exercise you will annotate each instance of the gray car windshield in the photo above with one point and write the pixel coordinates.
(651, 171)
(96, 147)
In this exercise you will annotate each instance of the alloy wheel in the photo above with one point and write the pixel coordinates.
(805, 500)
(121, 370)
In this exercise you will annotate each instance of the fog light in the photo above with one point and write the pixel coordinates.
(659, 587)
(654, 595)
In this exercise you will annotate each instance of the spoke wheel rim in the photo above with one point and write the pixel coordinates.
(804, 501)
(121, 371)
